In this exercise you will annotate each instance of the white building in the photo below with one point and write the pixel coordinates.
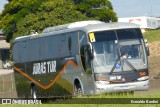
(145, 23)
(4, 51)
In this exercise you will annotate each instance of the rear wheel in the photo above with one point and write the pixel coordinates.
(34, 93)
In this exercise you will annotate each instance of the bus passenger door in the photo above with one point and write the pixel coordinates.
(86, 61)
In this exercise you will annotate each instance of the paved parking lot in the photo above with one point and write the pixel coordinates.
(7, 84)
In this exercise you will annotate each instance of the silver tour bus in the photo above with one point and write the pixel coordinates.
(81, 58)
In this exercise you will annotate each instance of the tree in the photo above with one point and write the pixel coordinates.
(21, 17)
(99, 9)
(14, 12)
(49, 14)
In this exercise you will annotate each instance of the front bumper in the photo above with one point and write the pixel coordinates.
(134, 86)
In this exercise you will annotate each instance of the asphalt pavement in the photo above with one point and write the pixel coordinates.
(7, 84)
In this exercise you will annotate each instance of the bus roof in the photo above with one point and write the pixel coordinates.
(87, 26)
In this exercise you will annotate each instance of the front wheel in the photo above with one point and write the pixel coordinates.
(78, 90)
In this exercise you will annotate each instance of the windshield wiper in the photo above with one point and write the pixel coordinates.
(130, 65)
(118, 60)
(114, 66)
(123, 60)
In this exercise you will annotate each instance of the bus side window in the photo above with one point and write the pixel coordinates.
(72, 43)
(16, 53)
(23, 52)
(43, 48)
(33, 50)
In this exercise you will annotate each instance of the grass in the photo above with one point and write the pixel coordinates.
(87, 105)
(152, 36)
(114, 97)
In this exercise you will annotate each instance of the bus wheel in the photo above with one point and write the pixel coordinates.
(34, 93)
(131, 92)
(78, 90)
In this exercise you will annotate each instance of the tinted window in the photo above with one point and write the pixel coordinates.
(129, 34)
(43, 48)
(73, 42)
(23, 51)
(16, 54)
(57, 46)
(33, 49)
(53, 44)
(122, 34)
(105, 36)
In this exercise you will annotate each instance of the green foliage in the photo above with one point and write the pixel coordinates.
(20, 17)
(153, 35)
(14, 12)
(100, 9)
(49, 14)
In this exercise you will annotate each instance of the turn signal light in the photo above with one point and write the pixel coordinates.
(101, 79)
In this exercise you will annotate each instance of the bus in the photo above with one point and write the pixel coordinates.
(81, 58)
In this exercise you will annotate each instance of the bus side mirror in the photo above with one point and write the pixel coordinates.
(147, 48)
(89, 50)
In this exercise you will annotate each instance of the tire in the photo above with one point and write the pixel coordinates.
(78, 90)
(131, 93)
(34, 93)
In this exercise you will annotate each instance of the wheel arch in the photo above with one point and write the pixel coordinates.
(32, 84)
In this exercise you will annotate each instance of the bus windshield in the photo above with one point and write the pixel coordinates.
(121, 49)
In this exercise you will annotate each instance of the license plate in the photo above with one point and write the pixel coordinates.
(124, 87)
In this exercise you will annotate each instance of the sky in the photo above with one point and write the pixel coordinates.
(2, 3)
(134, 8)
(128, 8)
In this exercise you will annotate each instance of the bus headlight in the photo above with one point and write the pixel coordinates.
(143, 78)
(101, 79)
